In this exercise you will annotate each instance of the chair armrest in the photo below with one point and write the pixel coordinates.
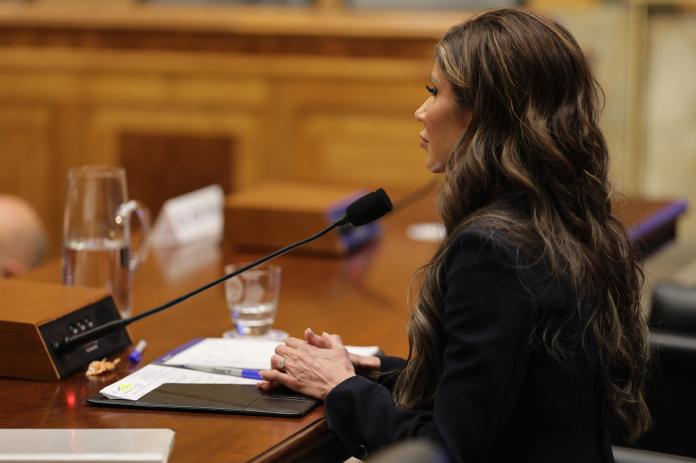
(674, 308)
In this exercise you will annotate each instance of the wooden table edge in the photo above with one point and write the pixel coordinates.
(306, 440)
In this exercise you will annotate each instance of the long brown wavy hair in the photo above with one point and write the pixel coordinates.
(534, 163)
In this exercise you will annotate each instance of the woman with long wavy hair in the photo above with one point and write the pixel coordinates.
(527, 337)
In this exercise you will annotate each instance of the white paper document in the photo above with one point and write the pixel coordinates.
(222, 352)
(240, 353)
(363, 350)
(150, 377)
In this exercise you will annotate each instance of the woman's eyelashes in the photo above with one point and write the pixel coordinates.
(431, 90)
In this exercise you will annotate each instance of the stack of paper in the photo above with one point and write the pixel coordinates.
(219, 352)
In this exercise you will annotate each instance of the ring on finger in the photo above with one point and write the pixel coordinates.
(281, 363)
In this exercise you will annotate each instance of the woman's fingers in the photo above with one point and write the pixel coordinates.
(309, 369)
(333, 340)
(282, 350)
(267, 385)
(293, 347)
(309, 334)
(278, 362)
(315, 340)
(275, 376)
(293, 342)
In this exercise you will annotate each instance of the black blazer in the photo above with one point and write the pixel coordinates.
(499, 399)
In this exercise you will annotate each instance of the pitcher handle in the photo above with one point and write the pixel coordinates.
(123, 218)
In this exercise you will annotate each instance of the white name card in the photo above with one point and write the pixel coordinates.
(194, 217)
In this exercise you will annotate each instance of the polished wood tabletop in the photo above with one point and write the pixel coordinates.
(363, 297)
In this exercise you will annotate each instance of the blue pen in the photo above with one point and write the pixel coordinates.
(248, 373)
(137, 353)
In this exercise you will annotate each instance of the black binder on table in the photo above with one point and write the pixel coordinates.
(243, 399)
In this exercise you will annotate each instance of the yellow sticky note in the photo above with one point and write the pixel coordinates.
(125, 387)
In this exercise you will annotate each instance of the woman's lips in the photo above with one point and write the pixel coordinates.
(424, 141)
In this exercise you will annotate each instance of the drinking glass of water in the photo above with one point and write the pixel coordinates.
(252, 299)
(97, 248)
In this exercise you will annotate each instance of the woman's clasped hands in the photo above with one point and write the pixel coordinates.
(313, 367)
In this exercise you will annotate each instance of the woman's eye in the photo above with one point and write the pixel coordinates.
(431, 90)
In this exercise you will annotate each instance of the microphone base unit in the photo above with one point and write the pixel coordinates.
(35, 316)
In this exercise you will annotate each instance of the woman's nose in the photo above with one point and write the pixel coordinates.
(420, 112)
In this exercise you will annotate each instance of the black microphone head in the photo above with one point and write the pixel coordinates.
(368, 208)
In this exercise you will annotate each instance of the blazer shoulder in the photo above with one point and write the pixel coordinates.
(478, 243)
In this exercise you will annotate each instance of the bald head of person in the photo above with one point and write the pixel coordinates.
(22, 237)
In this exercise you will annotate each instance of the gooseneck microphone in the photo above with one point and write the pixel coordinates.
(366, 209)
(362, 211)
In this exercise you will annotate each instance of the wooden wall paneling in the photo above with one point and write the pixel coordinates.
(281, 153)
(60, 95)
(231, 135)
(376, 149)
(24, 132)
(164, 165)
(65, 90)
(67, 149)
(185, 85)
(247, 21)
(329, 86)
(18, 82)
(263, 89)
(27, 168)
(97, 101)
(190, 101)
(355, 130)
(241, 70)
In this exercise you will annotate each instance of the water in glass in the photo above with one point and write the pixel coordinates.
(97, 245)
(100, 263)
(252, 299)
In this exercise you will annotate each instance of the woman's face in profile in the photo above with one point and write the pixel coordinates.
(443, 122)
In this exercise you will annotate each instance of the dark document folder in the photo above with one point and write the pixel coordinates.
(220, 398)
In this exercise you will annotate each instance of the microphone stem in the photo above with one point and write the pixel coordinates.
(114, 324)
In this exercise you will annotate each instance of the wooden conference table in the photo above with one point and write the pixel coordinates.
(362, 297)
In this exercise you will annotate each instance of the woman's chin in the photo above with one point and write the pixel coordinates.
(436, 167)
